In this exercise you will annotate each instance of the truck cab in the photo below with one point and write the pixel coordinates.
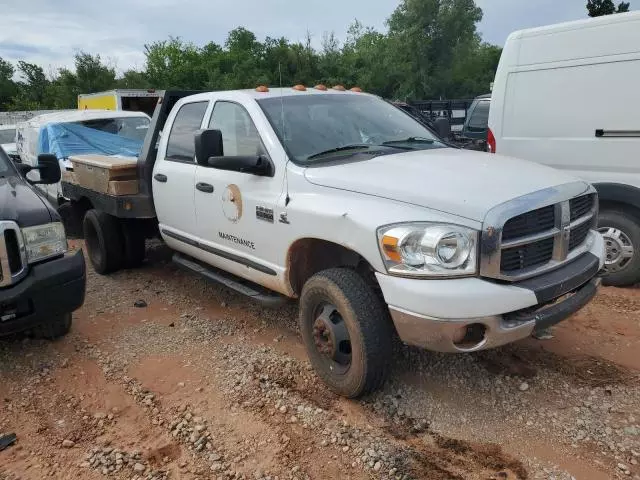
(41, 283)
(378, 228)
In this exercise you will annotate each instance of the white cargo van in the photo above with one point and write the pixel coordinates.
(568, 96)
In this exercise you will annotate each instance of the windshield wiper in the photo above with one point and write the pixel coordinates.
(339, 149)
(422, 140)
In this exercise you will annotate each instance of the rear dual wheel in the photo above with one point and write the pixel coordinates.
(111, 243)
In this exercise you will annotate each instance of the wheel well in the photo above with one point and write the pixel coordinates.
(309, 256)
(620, 206)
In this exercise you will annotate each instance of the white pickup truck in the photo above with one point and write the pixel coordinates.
(343, 201)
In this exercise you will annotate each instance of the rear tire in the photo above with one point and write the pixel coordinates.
(104, 241)
(621, 233)
(54, 328)
(134, 244)
(337, 304)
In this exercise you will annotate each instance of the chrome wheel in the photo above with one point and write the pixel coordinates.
(619, 249)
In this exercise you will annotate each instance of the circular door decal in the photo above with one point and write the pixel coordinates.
(232, 203)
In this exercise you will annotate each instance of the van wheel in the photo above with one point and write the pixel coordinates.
(621, 234)
(104, 241)
(347, 332)
(53, 328)
(134, 244)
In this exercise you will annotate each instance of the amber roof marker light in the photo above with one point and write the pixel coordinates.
(339, 88)
(262, 89)
(356, 90)
(322, 88)
(300, 88)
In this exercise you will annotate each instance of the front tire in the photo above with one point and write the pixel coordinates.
(104, 241)
(621, 234)
(347, 332)
(54, 328)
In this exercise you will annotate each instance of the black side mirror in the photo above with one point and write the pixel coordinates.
(258, 165)
(208, 144)
(49, 169)
(443, 127)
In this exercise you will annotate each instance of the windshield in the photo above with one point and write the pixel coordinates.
(317, 125)
(8, 136)
(129, 127)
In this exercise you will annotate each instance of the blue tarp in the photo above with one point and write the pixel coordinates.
(66, 139)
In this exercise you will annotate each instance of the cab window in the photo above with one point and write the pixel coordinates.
(239, 135)
(181, 145)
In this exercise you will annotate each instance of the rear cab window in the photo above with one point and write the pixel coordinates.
(188, 120)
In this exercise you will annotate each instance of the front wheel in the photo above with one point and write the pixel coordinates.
(621, 234)
(54, 328)
(346, 330)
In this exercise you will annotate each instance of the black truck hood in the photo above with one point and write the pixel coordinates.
(21, 204)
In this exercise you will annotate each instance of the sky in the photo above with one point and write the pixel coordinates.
(50, 32)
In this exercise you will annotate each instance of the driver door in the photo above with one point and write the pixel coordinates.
(234, 210)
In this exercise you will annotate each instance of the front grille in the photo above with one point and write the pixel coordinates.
(526, 256)
(579, 235)
(529, 223)
(581, 206)
(12, 254)
(535, 241)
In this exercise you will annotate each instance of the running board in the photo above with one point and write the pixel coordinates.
(253, 291)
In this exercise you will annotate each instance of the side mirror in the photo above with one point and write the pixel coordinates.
(258, 165)
(208, 144)
(49, 169)
(443, 127)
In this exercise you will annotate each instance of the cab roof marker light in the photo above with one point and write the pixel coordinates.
(322, 88)
(356, 90)
(339, 88)
(262, 89)
(300, 88)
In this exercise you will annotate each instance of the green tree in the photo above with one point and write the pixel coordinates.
(32, 88)
(598, 8)
(426, 37)
(8, 87)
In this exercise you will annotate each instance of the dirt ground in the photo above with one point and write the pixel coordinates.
(167, 377)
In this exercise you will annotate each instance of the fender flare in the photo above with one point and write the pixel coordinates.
(618, 193)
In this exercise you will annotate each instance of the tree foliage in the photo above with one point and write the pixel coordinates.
(431, 49)
(598, 8)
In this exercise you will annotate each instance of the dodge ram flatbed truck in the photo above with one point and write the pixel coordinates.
(345, 202)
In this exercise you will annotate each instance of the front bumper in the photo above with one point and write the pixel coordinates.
(51, 288)
(471, 314)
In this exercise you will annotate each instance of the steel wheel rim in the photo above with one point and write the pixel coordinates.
(619, 249)
(331, 338)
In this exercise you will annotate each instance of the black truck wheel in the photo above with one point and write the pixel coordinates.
(621, 234)
(54, 328)
(134, 244)
(346, 330)
(104, 241)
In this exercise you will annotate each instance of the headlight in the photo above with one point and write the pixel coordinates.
(429, 250)
(44, 241)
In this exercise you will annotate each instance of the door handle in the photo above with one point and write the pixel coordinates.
(204, 187)
(160, 177)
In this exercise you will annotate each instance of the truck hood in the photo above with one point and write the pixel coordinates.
(458, 182)
(19, 203)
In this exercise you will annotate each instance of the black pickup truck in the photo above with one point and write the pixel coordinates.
(41, 283)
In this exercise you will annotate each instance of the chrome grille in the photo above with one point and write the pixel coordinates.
(13, 260)
(538, 232)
